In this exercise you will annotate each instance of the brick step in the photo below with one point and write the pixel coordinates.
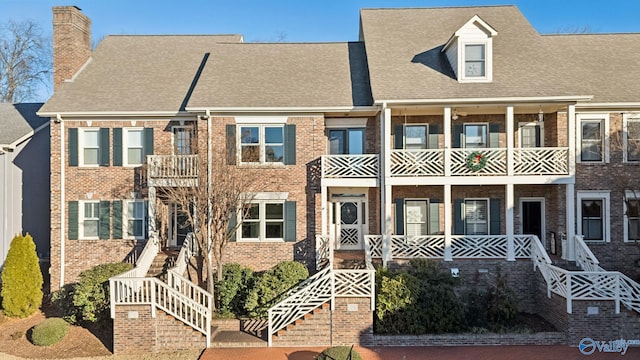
(233, 339)
(162, 261)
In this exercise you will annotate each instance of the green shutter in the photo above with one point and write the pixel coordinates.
(145, 226)
(290, 221)
(72, 231)
(231, 144)
(538, 136)
(105, 217)
(148, 143)
(399, 216)
(398, 136)
(231, 227)
(117, 219)
(73, 147)
(290, 144)
(494, 216)
(432, 142)
(494, 135)
(457, 136)
(434, 216)
(104, 147)
(117, 147)
(458, 217)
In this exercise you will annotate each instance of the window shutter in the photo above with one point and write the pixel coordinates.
(432, 143)
(494, 135)
(434, 216)
(72, 231)
(494, 215)
(398, 136)
(458, 218)
(148, 143)
(538, 136)
(117, 219)
(104, 147)
(399, 216)
(117, 147)
(105, 217)
(290, 144)
(231, 144)
(232, 225)
(145, 223)
(73, 148)
(290, 221)
(457, 136)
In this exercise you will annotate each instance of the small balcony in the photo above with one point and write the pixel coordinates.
(365, 166)
(172, 170)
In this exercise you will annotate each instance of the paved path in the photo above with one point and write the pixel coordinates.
(555, 352)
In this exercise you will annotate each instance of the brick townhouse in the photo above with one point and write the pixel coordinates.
(459, 134)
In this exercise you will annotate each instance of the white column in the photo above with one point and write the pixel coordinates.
(509, 216)
(569, 253)
(385, 189)
(152, 213)
(447, 141)
(323, 210)
(510, 139)
(571, 139)
(448, 221)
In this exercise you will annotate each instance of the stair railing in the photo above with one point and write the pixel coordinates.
(178, 282)
(584, 256)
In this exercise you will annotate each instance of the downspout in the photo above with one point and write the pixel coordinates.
(209, 180)
(62, 200)
(5, 194)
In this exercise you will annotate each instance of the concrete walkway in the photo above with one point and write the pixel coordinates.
(554, 352)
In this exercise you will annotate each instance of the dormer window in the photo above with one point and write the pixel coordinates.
(470, 51)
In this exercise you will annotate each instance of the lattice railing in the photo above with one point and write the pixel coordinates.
(350, 166)
(479, 246)
(324, 251)
(584, 257)
(496, 162)
(541, 161)
(417, 162)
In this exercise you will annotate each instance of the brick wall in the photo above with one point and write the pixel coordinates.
(352, 321)
(135, 331)
(313, 330)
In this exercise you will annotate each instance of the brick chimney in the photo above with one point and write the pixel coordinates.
(71, 42)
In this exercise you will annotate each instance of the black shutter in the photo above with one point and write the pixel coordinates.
(290, 144)
(399, 216)
(231, 229)
(458, 218)
(290, 221)
(434, 216)
(457, 136)
(105, 223)
(148, 143)
(538, 136)
(104, 147)
(398, 136)
(72, 231)
(117, 147)
(73, 147)
(231, 144)
(432, 142)
(494, 216)
(494, 135)
(117, 219)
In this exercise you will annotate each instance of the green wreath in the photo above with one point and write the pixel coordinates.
(476, 161)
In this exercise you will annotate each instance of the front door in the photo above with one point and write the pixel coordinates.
(179, 226)
(349, 224)
(532, 218)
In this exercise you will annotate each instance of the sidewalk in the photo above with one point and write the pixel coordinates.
(554, 352)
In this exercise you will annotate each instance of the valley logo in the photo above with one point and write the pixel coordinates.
(588, 346)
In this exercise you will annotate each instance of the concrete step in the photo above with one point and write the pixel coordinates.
(236, 339)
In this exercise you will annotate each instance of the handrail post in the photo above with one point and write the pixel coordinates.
(333, 289)
(112, 298)
(153, 298)
(569, 294)
(618, 293)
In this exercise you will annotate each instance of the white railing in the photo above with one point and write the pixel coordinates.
(144, 261)
(350, 166)
(496, 161)
(355, 283)
(584, 257)
(417, 162)
(541, 161)
(324, 250)
(172, 166)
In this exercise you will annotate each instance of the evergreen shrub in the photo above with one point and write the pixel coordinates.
(232, 290)
(49, 332)
(21, 278)
(271, 286)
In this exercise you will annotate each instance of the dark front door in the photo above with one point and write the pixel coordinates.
(532, 218)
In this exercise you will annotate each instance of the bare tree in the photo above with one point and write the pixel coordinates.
(214, 208)
(25, 61)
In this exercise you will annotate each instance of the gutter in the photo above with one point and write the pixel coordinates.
(484, 101)
(283, 110)
(113, 113)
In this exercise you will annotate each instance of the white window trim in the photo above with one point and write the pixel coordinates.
(595, 195)
(263, 223)
(340, 123)
(125, 219)
(628, 193)
(488, 58)
(464, 212)
(81, 219)
(592, 117)
(81, 146)
(532, 124)
(626, 117)
(464, 134)
(173, 136)
(404, 135)
(125, 146)
(261, 143)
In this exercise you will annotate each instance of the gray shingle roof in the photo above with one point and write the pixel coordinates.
(284, 75)
(18, 120)
(137, 73)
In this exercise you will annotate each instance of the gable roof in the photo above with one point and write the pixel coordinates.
(19, 121)
(139, 73)
(284, 75)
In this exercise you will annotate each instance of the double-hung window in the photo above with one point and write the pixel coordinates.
(134, 147)
(475, 136)
(632, 139)
(261, 143)
(135, 219)
(593, 222)
(416, 217)
(475, 61)
(476, 216)
(632, 216)
(89, 216)
(592, 134)
(263, 221)
(415, 137)
(90, 147)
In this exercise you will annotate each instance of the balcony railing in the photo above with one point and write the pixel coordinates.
(526, 161)
(350, 166)
(172, 167)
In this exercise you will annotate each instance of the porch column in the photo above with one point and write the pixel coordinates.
(571, 139)
(385, 189)
(569, 252)
(323, 210)
(448, 221)
(151, 227)
(510, 140)
(509, 205)
(447, 143)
